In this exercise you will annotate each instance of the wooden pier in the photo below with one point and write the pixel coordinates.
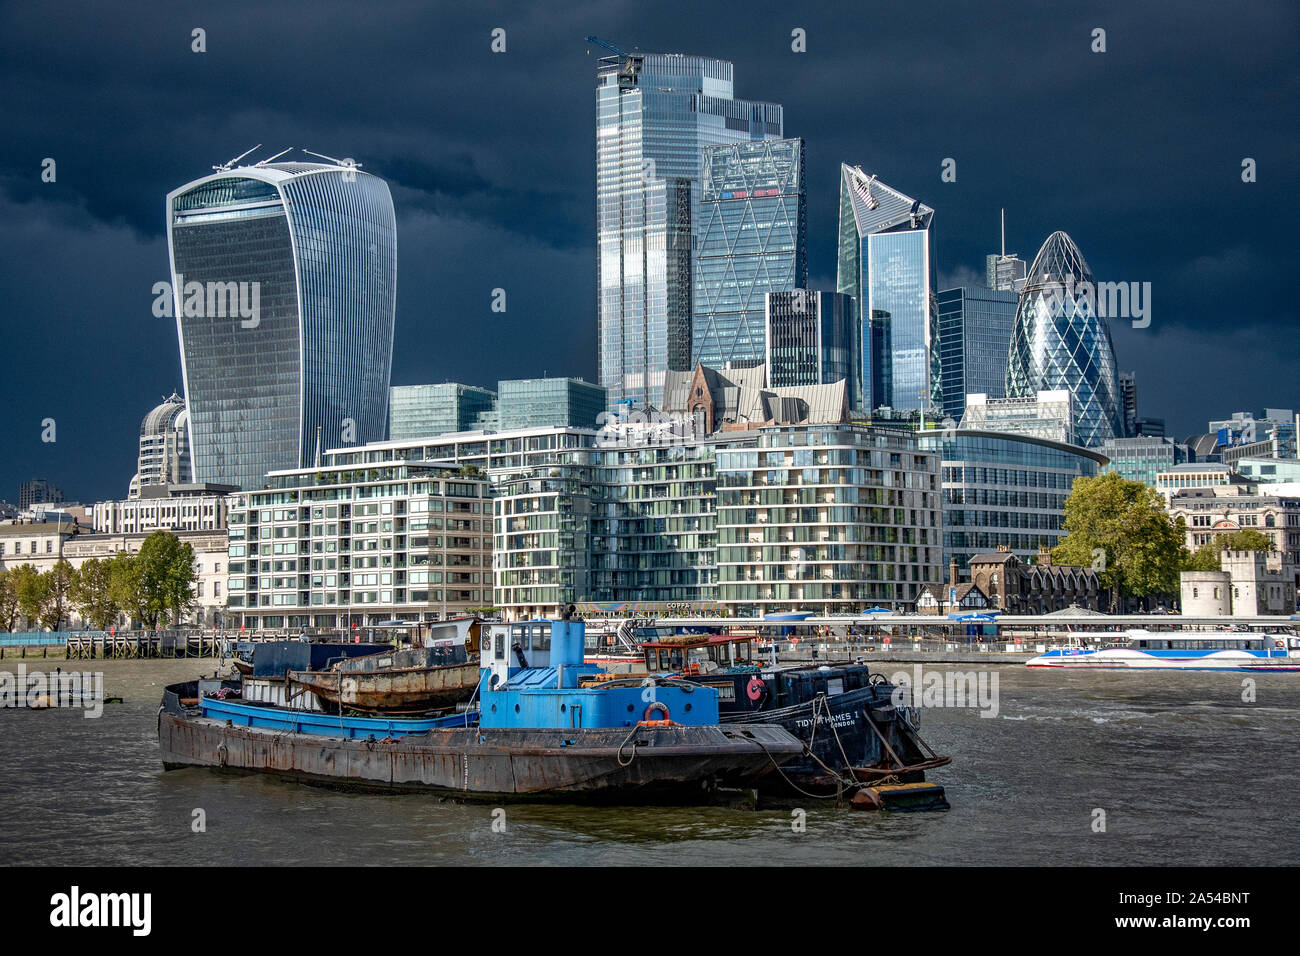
(139, 644)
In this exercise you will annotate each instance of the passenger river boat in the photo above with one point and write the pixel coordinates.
(1183, 651)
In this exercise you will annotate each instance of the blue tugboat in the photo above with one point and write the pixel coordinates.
(549, 725)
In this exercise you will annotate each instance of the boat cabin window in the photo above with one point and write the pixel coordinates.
(541, 637)
(499, 647)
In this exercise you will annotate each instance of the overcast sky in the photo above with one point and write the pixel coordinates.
(1135, 152)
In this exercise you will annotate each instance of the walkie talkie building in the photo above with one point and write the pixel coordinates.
(284, 277)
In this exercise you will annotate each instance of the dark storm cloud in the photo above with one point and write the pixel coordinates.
(1135, 152)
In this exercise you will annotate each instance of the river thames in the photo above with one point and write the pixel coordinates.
(1111, 769)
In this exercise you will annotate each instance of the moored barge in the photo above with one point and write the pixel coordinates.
(548, 726)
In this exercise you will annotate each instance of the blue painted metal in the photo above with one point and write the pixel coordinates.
(550, 695)
(326, 725)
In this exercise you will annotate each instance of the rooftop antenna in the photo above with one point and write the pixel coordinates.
(1004, 233)
(345, 163)
(273, 158)
(226, 167)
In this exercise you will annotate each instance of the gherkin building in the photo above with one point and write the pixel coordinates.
(1060, 342)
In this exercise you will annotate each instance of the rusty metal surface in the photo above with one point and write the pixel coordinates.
(476, 763)
(403, 690)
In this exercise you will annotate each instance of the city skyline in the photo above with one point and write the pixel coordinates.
(104, 220)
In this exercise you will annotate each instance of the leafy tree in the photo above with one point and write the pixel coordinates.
(29, 585)
(56, 583)
(8, 598)
(124, 586)
(166, 576)
(1121, 529)
(91, 593)
(1206, 557)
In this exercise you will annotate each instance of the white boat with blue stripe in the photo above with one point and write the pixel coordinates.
(1183, 651)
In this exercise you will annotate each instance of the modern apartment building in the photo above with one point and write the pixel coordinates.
(339, 545)
(827, 519)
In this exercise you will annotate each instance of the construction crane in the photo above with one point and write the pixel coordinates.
(617, 51)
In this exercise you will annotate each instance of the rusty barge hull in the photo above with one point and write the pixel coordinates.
(411, 690)
(652, 764)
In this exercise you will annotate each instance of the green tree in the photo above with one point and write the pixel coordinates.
(8, 598)
(56, 583)
(124, 586)
(166, 576)
(1120, 528)
(1206, 557)
(30, 589)
(91, 593)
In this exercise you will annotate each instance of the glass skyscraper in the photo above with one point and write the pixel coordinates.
(974, 335)
(752, 223)
(422, 411)
(1004, 489)
(885, 263)
(536, 402)
(284, 280)
(812, 339)
(655, 112)
(1059, 342)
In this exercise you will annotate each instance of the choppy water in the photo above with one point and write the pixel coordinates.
(1186, 772)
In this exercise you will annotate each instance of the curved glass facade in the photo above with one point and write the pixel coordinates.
(309, 253)
(1004, 489)
(1059, 342)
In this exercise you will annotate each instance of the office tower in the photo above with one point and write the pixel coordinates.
(1128, 398)
(974, 334)
(1059, 342)
(1003, 273)
(537, 402)
(655, 112)
(879, 382)
(1005, 490)
(422, 411)
(885, 264)
(38, 491)
(752, 224)
(164, 451)
(812, 339)
(1276, 429)
(1150, 428)
(1142, 457)
(284, 278)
